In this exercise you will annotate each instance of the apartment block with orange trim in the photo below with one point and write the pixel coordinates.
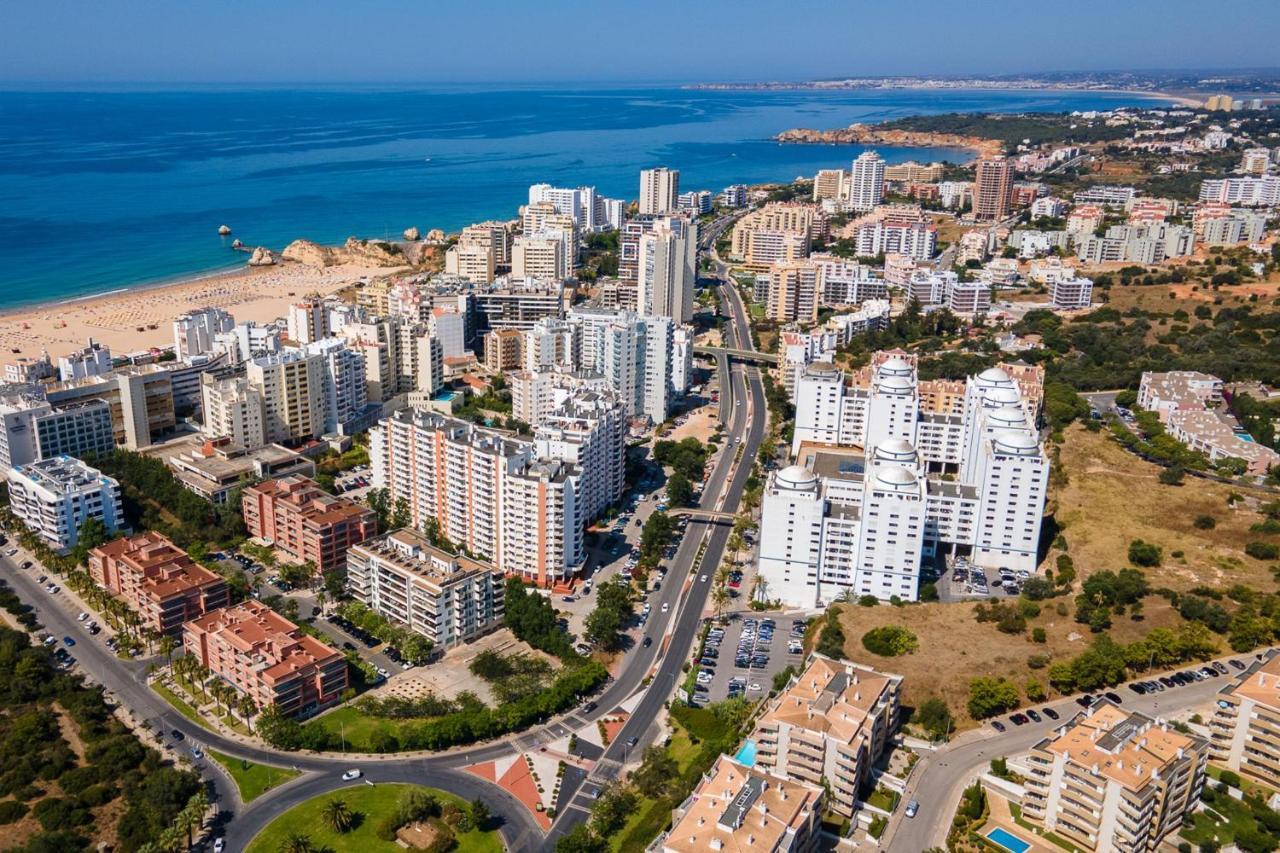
(1245, 728)
(265, 656)
(158, 580)
(1111, 779)
(830, 725)
(295, 515)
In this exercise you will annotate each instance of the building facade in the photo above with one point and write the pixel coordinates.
(158, 580)
(306, 522)
(55, 497)
(1245, 729)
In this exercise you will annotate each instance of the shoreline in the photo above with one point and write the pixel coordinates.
(137, 318)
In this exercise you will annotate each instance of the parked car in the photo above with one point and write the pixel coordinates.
(913, 808)
(351, 774)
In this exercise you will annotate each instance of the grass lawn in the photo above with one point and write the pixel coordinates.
(252, 779)
(651, 816)
(1222, 820)
(883, 798)
(373, 804)
(177, 702)
(356, 727)
(1016, 811)
(1248, 786)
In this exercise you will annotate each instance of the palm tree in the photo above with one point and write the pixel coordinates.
(321, 599)
(720, 597)
(297, 843)
(337, 815)
(168, 645)
(197, 807)
(247, 709)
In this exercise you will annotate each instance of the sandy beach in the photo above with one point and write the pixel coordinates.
(140, 318)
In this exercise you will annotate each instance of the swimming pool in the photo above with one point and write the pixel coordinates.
(1008, 840)
(747, 755)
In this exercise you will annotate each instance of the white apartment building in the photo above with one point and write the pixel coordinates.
(232, 408)
(682, 338)
(292, 402)
(472, 261)
(536, 395)
(248, 340)
(1248, 192)
(400, 356)
(1108, 195)
(830, 183)
(846, 282)
(549, 345)
(1071, 294)
(863, 521)
(659, 189)
(1048, 206)
(914, 237)
(937, 289)
(668, 269)
(492, 235)
(541, 255)
(55, 497)
(588, 429)
(308, 320)
(195, 333)
(1138, 244)
(633, 353)
(342, 385)
(31, 429)
(447, 598)
(93, 359)
(488, 493)
(1246, 721)
(866, 181)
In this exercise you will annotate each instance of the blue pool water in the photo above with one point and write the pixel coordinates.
(1008, 840)
(106, 188)
(747, 755)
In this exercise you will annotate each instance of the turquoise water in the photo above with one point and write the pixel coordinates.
(1008, 840)
(106, 189)
(747, 754)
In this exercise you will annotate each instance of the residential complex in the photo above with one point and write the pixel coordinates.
(866, 181)
(447, 598)
(1111, 779)
(31, 429)
(739, 808)
(828, 727)
(55, 497)
(305, 522)
(1246, 722)
(992, 188)
(267, 658)
(668, 269)
(494, 495)
(1071, 294)
(890, 470)
(777, 232)
(215, 468)
(158, 581)
(1187, 403)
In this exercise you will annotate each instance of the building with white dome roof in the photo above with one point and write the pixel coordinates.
(882, 483)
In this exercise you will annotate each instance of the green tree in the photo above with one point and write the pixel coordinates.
(935, 717)
(989, 696)
(679, 490)
(337, 815)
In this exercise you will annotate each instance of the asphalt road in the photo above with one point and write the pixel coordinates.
(748, 419)
(941, 776)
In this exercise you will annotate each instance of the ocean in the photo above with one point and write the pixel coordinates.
(108, 189)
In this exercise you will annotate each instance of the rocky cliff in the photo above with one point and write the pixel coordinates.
(865, 134)
(366, 252)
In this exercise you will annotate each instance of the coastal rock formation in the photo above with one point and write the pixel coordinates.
(435, 235)
(261, 257)
(411, 233)
(865, 134)
(366, 252)
(236, 244)
(224, 230)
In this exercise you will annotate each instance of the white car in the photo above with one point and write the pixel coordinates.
(755, 685)
(82, 617)
(702, 579)
(665, 607)
(11, 551)
(351, 774)
(219, 845)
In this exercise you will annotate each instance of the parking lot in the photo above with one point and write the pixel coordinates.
(744, 655)
(963, 581)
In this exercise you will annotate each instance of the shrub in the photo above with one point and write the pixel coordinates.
(1143, 553)
(890, 641)
(1227, 777)
(1262, 550)
(1038, 635)
(1205, 522)
(12, 811)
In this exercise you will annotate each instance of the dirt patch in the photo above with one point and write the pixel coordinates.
(949, 632)
(452, 676)
(1112, 497)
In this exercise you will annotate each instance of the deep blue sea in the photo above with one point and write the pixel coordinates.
(105, 189)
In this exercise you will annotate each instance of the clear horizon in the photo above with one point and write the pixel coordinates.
(140, 42)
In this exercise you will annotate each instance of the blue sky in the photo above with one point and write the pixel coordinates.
(169, 41)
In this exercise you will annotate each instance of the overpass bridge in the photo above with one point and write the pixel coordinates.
(704, 514)
(740, 354)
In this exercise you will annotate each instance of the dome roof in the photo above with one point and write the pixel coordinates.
(994, 376)
(895, 367)
(1009, 441)
(896, 475)
(795, 476)
(1003, 396)
(894, 382)
(895, 448)
(1008, 416)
